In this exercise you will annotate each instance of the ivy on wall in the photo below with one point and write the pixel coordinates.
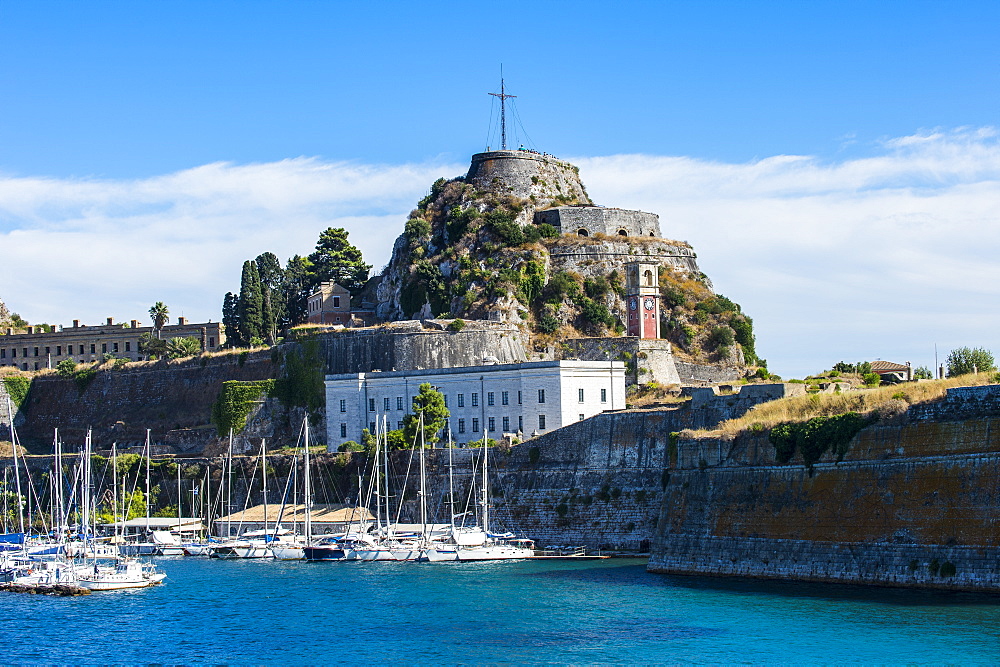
(235, 400)
(301, 384)
(17, 388)
(815, 437)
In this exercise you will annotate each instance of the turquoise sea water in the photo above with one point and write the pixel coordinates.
(261, 612)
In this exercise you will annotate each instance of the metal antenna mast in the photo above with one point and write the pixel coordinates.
(503, 112)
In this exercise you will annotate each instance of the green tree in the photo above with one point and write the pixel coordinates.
(159, 313)
(922, 373)
(338, 260)
(152, 346)
(965, 360)
(231, 320)
(272, 277)
(183, 347)
(295, 289)
(428, 402)
(251, 304)
(66, 368)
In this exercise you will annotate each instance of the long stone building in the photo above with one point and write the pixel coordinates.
(36, 349)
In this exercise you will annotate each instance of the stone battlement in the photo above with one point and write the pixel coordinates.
(591, 220)
(542, 178)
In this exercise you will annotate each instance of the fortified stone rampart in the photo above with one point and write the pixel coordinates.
(960, 403)
(646, 360)
(413, 345)
(912, 503)
(591, 220)
(599, 258)
(596, 483)
(693, 374)
(544, 179)
(119, 405)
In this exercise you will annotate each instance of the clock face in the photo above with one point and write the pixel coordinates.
(633, 304)
(648, 303)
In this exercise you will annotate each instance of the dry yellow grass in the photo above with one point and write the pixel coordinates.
(802, 408)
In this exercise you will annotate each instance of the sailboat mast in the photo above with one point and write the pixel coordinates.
(177, 464)
(229, 488)
(57, 480)
(114, 498)
(385, 471)
(451, 483)
(263, 479)
(86, 492)
(148, 453)
(423, 479)
(307, 486)
(486, 482)
(17, 473)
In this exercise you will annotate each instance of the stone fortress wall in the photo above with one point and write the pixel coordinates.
(912, 503)
(415, 345)
(591, 220)
(543, 179)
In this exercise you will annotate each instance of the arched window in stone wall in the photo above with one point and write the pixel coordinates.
(582, 232)
(622, 232)
(647, 278)
(652, 234)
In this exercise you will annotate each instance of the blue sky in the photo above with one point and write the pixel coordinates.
(834, 164)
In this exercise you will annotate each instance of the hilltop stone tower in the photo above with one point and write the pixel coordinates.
(541, 179)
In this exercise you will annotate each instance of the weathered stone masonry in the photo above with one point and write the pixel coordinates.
(908, 498)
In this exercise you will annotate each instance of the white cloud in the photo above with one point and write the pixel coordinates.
(860, 258)
(88, 249)
(878, 257)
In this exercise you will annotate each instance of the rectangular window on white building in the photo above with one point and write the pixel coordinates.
(541, 421)
(371, 427)
(541, 395)
(461, 400)
(490, 398)
(461, 426)
(371, 407)
(399, 402)
(579, 395)
(604, 396)
(385, 404)
(519, 398)
(343, 430)
(493, 424)
(582, 416)
(475, 400)
(520, 423)
(475, 424)
(506, 424)
(343, 405)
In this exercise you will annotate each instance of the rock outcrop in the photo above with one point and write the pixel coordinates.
(518, 240)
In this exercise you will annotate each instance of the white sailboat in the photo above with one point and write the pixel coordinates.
(126, 572)
(298, 549)
(492, 547)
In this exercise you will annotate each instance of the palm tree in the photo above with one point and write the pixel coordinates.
(159, 313)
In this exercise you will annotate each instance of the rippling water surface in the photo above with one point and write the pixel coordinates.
(259, 612)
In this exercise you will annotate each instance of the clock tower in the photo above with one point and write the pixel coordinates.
(642, 299)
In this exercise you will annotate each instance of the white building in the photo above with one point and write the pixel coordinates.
(529, 398)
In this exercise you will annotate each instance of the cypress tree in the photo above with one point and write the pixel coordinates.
(271, 278)
(251, 305)
(231, 320)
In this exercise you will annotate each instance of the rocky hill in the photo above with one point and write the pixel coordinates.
(482, 246)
